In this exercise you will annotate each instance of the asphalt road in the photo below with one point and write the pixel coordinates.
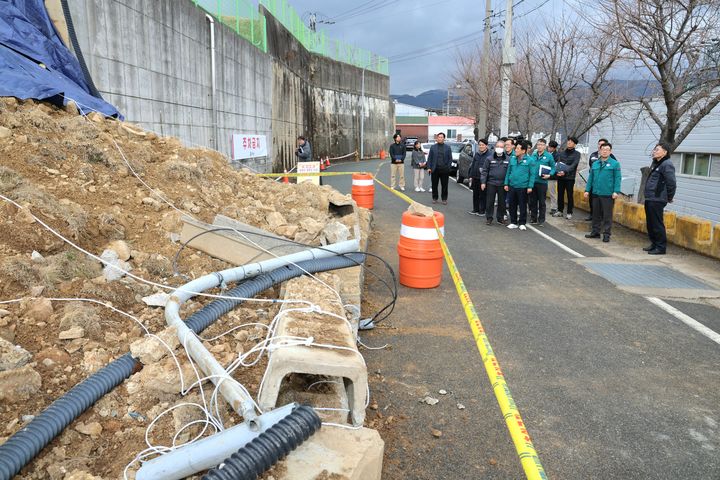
(609, 385)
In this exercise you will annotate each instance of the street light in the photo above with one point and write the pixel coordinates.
(447, 109)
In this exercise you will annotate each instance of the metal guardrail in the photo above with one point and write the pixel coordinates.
(318, 42)
(240, 15)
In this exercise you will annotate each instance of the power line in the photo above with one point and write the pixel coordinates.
(356, 9)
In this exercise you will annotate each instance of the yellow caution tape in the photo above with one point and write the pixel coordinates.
(519, 434)
(312, 174)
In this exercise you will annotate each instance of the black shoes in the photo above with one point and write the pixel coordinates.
(606, 238)
(648, 248)
(655, 251)
(473, 212)
(588, 218)
(592, 235)
(488, 221)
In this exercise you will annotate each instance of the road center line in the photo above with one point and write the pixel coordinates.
(683, 317)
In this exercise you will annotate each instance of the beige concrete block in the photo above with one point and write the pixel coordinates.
(715, 249)
(336, 453)
(693, 233)
(634, 216)
(325, 329)
(618, 210)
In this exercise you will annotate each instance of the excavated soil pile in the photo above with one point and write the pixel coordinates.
(76, 175)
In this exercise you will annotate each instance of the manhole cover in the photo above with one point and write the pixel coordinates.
(648, 276)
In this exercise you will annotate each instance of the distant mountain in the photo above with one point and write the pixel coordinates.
(434, 99)
(628, 89)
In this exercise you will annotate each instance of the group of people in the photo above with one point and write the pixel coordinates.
(517, 177)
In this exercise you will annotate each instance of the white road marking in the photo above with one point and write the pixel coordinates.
(686, 319)
(559, 244)
(461, 184)
(683, 317)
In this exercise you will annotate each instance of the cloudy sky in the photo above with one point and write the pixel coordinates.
(421, 37)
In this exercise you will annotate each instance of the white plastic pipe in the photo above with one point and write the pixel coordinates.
(208, 452)
(229, 388)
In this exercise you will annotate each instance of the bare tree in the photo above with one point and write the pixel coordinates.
(523, 116)
(674, 41)
(564, 74)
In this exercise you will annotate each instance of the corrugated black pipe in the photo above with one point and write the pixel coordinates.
(78, 52)
(25, 444)
(269, 447)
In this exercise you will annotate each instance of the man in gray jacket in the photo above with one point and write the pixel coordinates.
(304, 151)
(659, 191)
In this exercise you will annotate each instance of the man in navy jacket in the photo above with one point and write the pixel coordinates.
(439, 161)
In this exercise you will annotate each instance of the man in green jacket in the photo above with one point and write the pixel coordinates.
(604, 183)
(545, 163)
(519, 182)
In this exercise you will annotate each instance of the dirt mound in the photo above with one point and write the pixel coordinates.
(76, 175)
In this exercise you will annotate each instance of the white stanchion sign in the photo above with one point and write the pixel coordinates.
(248, 146)
(309, 167)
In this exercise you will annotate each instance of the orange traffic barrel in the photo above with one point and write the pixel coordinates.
(363, 190)
(382, 154)
(421, 256)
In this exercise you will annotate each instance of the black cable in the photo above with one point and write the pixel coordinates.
(393, 289)
(78, 53)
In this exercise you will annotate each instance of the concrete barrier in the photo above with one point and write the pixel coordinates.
(715, 248)
(634, 216)
(689, 232)
(693, 233)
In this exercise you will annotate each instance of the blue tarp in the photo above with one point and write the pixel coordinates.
(35, 63)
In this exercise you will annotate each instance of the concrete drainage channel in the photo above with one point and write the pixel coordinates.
(318, 341)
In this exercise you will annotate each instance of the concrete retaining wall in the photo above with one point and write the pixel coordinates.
(691, 232)
(153, 61)
(319, 98)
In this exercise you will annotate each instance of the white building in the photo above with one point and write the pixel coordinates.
(453, 127)
(697, 159)
(405, 110)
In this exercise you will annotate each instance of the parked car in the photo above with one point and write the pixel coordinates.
(465, 160)
(410, 142)
(425, 147)
(456, 148)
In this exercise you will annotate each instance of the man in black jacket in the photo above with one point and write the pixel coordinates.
(397, 162)
(439, 160)
(566, 168)
(492, 182)
(475, 174)
(659, 191)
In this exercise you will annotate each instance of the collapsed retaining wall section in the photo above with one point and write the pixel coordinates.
(153, 61)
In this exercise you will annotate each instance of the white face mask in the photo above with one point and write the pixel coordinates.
(499, 150)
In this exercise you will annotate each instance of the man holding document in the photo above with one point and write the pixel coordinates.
(604, 183)
(546, 168)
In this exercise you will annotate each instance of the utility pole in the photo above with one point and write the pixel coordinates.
(507, 61)
(362, 116)
(484, 72)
